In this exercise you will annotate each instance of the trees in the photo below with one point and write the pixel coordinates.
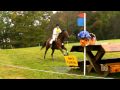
(23, 28)
(104, 24)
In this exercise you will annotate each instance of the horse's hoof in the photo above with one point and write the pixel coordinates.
(65, 54)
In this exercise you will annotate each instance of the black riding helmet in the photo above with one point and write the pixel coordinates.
(57, 25)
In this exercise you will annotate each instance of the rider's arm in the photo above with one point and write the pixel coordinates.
(60, 30)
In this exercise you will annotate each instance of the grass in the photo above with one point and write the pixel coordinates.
(32, 57)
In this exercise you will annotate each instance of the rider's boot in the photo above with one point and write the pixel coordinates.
(50, 45)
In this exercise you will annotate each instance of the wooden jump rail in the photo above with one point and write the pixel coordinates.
(96, 62)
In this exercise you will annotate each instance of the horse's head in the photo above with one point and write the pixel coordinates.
(65, 34)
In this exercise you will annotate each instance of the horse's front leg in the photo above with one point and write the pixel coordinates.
(62, 51)
(65, 50)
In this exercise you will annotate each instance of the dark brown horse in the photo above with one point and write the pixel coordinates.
(58, 44)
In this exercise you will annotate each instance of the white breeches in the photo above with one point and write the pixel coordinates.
(54, 37)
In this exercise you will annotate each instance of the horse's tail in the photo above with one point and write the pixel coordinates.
(43, 45)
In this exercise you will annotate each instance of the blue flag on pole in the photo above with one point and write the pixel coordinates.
(80, 21)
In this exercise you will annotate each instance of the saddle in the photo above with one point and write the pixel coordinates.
(55, 43)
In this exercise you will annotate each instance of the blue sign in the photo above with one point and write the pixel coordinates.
(80, 21)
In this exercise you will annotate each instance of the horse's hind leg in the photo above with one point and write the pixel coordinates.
(45, 52)
(52, 53)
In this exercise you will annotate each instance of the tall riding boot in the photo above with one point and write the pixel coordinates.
(50, 45)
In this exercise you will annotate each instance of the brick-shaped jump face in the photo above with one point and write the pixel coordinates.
(114, 67)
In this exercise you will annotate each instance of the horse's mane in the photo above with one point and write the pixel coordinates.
(61, 34)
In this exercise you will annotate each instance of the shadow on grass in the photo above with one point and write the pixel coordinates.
(75, 71)
(93, 73)
(115, 75)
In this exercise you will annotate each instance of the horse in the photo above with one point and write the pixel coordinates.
(57, 44)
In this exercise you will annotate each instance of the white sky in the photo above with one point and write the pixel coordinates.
(54, 12)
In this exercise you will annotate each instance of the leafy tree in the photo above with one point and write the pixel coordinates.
(24, 28)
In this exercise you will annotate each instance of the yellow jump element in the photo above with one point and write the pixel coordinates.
(71, 61)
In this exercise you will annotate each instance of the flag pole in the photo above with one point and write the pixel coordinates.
(85, 46)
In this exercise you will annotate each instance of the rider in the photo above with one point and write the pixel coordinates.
(56, 32)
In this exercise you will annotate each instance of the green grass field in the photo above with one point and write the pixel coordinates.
(32, 58)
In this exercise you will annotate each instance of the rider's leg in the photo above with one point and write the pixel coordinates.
(53, 39)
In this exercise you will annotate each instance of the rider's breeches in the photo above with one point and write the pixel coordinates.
(54, 37)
